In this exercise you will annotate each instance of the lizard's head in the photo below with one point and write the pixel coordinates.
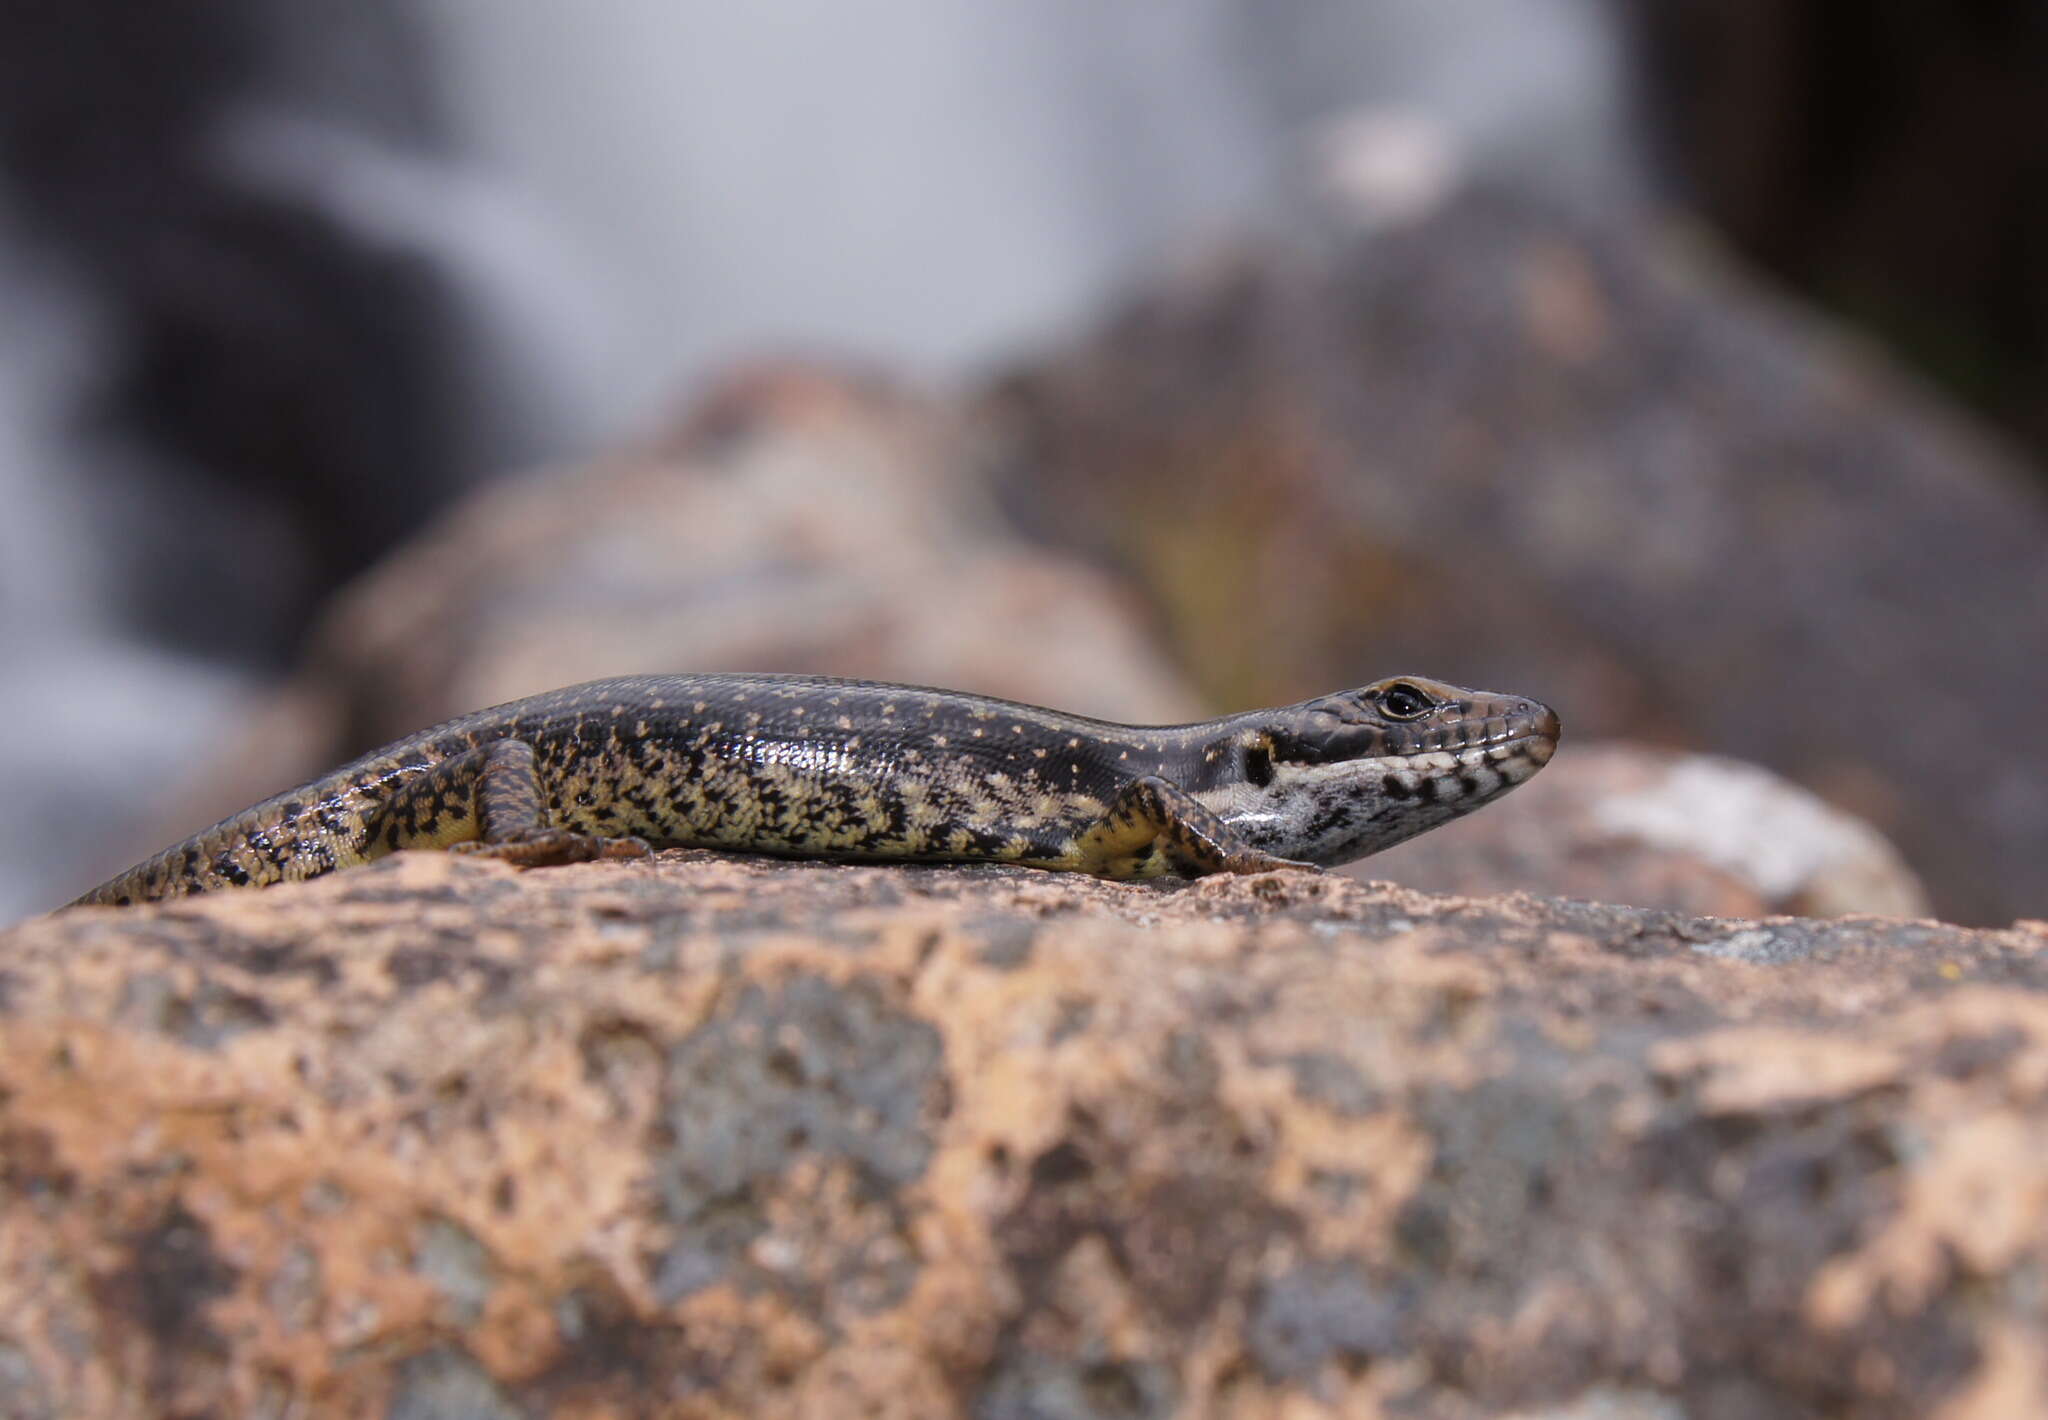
(1345, 775)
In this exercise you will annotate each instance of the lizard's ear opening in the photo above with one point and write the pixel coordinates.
(1258, 763)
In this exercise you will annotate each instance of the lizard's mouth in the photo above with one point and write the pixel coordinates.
(1530, 747)
(1477, 771)
(1530, 732)
(1527, 750)
(1497, 749)
(1533, 744)
(1512, 743)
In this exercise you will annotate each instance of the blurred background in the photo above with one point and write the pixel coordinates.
(1684, 364)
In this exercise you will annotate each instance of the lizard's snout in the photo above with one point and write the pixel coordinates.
(1518, 735)
(1493, 719)
(1543, 730)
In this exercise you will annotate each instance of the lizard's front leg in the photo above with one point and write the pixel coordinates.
(488, 801)
(1154, 826)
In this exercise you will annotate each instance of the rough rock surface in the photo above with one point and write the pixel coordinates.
(728, 1137)
(1510, 445)
(1652, 828)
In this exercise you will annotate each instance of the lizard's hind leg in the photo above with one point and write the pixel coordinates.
(488, 801)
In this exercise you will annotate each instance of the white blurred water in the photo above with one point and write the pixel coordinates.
(939, 182)
(91, 721)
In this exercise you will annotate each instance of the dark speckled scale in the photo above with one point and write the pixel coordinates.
(860, 771)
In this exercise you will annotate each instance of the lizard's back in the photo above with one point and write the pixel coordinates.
(765, 763)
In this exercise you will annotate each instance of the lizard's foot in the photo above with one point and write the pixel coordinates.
(551, 847)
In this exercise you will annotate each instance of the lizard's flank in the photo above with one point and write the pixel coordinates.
(857, 771)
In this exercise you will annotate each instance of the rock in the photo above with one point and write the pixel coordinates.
(1688, 833)
(797, 518)
(709, 1136)
(1508, 444)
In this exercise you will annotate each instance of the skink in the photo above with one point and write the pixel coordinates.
(858, 771)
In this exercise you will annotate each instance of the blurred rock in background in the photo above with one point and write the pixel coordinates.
(799, 514)
(1690, 833)
(1507, 442)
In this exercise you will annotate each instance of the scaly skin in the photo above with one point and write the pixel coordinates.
(863, 772)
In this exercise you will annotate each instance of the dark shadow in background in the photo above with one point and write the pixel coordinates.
(1889, 158)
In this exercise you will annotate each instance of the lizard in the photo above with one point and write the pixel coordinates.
(863, 771)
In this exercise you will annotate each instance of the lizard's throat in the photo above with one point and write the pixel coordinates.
(1335, 813)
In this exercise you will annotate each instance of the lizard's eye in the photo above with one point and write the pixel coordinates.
(1402, 701)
